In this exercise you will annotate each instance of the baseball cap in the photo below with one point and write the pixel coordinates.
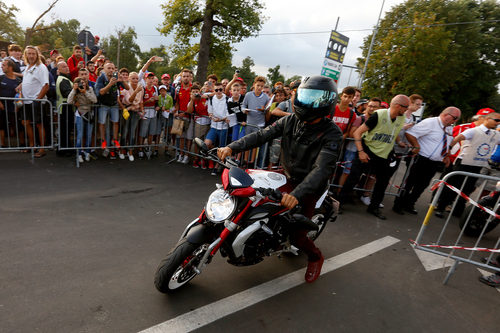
(165, 76)
(362, 101)
(384, 105)
(148, 74)
(53, 52)
(97, 37)
(484, 112)
(162, 87)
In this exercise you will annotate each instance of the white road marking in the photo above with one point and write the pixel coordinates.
(486, 273)
(432, 261)
(209, 313)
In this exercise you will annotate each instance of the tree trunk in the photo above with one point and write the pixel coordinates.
(205, 41)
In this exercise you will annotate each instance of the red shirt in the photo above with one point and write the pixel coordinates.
(73, 66)
(92, 77)
(201, 107)
(183, 98)
(342, 118)
(456, 131)
(148, 93)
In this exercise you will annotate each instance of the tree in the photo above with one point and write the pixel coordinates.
(420, 49)
(217, 24)
(9, 29)
(293, 78)
(35, 28)
(246, 72)
(60, 35)
(124, 46)
(275, 75)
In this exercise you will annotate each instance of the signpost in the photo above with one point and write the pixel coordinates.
(85, 39)
(335, 52)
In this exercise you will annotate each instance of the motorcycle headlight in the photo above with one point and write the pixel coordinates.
(220, 206)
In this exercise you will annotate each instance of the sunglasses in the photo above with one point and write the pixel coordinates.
(454, 117)
(218, 90)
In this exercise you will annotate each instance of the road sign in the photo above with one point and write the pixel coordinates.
(335, 52)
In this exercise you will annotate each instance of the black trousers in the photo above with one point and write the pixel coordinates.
(377, 166)
(447, 196)
(421, 173)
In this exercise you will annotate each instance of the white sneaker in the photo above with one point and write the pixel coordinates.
(87, 157)
(80, 158)
(105, 152)
(131, 157)
(185, 160)
(365, 200)
(381, 205)
(121, 156)
(141, 154)
(179, 159)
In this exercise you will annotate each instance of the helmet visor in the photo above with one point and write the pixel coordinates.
(314, 98)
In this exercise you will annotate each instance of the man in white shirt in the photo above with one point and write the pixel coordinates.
(35, 86)
(429, 139)
(217, 110)
(478, 145)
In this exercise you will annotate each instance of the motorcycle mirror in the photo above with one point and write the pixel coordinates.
(201, 144)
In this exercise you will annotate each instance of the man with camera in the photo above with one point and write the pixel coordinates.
(106, 89)
(63, 89)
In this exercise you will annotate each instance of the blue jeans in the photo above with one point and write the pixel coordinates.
(82, 125)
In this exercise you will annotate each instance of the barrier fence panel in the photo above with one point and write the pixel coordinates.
(26, 125)
(397, 163)
(458, 242)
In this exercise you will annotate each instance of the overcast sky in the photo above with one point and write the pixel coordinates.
(300, 54)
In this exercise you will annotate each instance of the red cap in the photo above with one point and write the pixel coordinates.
(240, 79)
(484, 112)
(384, 105)
(148, 74)
(165, 76)
(97, 37)
(53, 51)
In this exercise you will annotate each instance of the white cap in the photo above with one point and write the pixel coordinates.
(162, 87)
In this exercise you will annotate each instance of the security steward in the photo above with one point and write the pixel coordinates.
(309, 150)
(374, 141)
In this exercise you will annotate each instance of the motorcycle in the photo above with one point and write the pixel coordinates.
(479, 219)
(243, 220)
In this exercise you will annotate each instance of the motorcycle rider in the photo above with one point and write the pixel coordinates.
(309, 149)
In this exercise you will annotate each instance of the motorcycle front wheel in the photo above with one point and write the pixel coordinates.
(177, 268)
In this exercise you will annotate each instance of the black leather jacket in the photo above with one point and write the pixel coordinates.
(308, 152)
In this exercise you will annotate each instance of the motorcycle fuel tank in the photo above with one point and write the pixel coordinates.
(267, 179)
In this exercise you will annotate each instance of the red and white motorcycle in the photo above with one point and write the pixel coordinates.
(243, 220)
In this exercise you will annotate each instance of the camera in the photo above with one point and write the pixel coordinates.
(197, 95)
(115, 75)
(81, 85)
(237, 71)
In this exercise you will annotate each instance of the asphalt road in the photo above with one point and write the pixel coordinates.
(79, 248)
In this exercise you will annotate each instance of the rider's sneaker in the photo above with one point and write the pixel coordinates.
(314, 269)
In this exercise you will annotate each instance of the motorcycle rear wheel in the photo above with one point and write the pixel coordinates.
(477, 220)
(177, 268)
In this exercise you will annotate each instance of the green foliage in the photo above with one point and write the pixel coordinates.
(274, 75)
(60, 35)
(216, 23)
(129, 50)
(246, 72)
(293, 78)
(415, 52)
(10, 31)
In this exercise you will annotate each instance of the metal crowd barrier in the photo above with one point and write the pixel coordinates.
(464, 248)
(70, 138)
(26, 125)
(366, 184)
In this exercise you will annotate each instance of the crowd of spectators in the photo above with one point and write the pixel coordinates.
(115, 113)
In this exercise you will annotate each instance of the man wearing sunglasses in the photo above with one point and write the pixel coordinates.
(478, 145)
(429, 140)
